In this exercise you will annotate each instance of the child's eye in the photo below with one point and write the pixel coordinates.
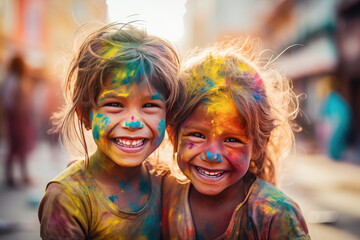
(233, 140)
(196, 134)
(150, 105)
(113, 104)
(195, 137)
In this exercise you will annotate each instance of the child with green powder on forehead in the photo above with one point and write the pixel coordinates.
(236, 124)
(122, 87)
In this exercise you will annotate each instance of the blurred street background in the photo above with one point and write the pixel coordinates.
(322, 38)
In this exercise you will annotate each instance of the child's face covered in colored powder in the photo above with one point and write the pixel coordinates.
(129, 123)
(214, 152)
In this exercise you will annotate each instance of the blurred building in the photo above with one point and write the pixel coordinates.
(43, 30)
(321, 38)
(45, 33)
(348, 37)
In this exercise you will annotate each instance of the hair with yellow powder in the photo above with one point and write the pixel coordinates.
(129, 54)
(262, 94)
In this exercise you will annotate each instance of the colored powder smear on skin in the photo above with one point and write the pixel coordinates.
(134, 124)
(161, 128)
(157, 96)
(144, 186)
(99, 123)
(213, 157)
(147, 231)
(220, 106)
(121, 91)
(124, 185)
(112, 198)
(219, 103)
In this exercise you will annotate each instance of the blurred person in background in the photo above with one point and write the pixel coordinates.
(335, 118)
(16, 98)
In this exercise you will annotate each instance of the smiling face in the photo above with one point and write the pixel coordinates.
(214, 152)
(129, 123)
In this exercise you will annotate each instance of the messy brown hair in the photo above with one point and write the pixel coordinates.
(263, 96)
(114, 46)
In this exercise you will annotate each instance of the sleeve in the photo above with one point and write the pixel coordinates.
(62, 214)
(288, 224)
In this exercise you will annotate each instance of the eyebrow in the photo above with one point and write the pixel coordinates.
(111, 94)
(199, 127)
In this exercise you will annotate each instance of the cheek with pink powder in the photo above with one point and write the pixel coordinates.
(239, 158)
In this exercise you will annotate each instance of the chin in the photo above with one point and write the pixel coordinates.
(208, 190)
(130, 162)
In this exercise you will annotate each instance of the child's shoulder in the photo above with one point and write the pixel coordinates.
(266, 195)
(275, 214)
(73, 174)
(172, 187)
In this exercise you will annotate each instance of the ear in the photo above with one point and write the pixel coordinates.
(84, 119)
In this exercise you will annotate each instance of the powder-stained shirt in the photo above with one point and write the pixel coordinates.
(266, 213)
(74, 207)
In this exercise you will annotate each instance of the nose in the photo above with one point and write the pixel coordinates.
(133, 123)
(211, 155)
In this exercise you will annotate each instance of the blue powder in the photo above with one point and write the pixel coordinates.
(134, 124)
(158, 96)
(144, 186)
(210, 82)
(112, 198)
(96, 130)
(161, 129)
(213, 157)
(123, 185)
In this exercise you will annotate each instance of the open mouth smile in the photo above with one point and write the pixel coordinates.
(129, 143)
(209, 173)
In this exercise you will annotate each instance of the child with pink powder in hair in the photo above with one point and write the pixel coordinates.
(234, 128)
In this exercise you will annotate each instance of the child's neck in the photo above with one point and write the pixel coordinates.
(126, 187)
(102, 165)
(212, 224)
(231, 194)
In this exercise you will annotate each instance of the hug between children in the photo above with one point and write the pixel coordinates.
(229, 119)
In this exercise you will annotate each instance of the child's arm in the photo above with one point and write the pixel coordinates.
(61, 214)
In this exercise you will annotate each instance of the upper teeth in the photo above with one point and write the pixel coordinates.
(129, 143)
(210, 174)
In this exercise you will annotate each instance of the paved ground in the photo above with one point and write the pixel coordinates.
(327, 191)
